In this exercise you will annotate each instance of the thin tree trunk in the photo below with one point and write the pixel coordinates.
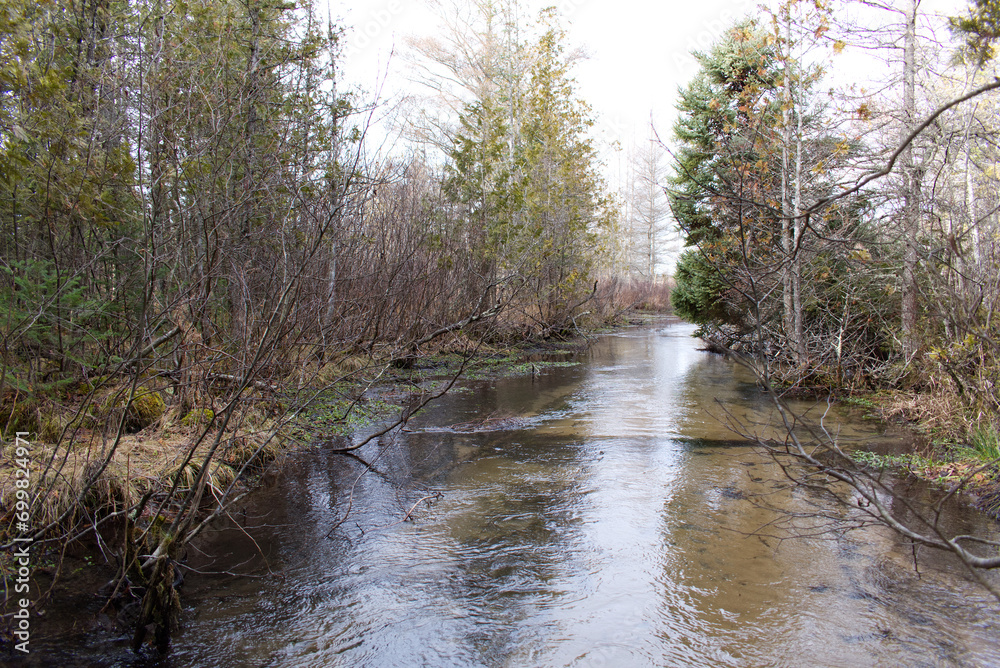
(798, 229)
(789, 284)
(911, 187)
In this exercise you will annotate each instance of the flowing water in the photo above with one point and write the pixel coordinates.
(607, 520)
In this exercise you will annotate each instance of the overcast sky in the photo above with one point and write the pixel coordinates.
(639, 51)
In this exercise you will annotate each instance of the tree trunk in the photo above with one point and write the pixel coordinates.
(791, 201)
(911, 187)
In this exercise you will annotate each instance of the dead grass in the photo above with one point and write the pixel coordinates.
(143, 462)
(955, 457)
(642, 294)
(940, 414)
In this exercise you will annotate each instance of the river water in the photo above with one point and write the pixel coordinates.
(609, 520)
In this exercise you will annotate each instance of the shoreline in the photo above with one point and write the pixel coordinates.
(395, 391)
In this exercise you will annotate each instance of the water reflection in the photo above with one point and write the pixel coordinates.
(614, 527)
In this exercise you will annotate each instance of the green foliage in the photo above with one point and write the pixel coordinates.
(481, 177)
(225, 105)
(524, 170)
(18, 412)
(984, 443)
(754, 150)
(334, 412)
(699, 293)
(59, 322)
(725, 113)
(980, 27)
(725, 176)
(66, 165)
(905, 461)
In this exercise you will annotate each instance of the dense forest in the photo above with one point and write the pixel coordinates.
(196, 240)
(847, 238)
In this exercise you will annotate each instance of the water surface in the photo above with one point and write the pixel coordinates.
(612, 523)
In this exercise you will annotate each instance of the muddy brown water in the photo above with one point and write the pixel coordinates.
(609, 524)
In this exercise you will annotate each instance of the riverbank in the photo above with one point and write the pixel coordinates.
(324, 417)
(956, 452)
(957, 441)
(119, 468)
(610, 519)
(321, 401)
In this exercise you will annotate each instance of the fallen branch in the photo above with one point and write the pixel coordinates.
(406, 415)
(152, 346)
(459, 325)
(406, 517)
(236, 380)
(407, 360)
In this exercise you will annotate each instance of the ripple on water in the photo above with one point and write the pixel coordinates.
(617, 527)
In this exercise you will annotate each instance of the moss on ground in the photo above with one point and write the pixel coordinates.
(332, 412)
(198, 416)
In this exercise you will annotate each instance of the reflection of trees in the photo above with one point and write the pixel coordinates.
(507, 499)
(507, 562)
(722, 402)
(811, 457)
(712, 395)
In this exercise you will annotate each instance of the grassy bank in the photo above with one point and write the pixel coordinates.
(96, 449)
(960, 451)
(120, 466)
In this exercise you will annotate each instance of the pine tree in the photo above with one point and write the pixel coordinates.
(725, 191)
(525, 172)
(564, 203)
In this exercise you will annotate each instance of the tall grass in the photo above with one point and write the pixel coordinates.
(984, 442)
(621, 294)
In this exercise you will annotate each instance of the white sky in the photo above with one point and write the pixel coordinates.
(639, 51)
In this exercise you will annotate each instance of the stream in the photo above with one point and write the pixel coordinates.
(598, 514)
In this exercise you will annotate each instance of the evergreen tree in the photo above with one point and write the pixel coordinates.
(525, 171)
(66, 183)
(726, 186)
(564, 205)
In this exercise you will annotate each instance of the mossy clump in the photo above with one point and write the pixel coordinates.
(18, 414)
(198, 416)
(145, 408)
